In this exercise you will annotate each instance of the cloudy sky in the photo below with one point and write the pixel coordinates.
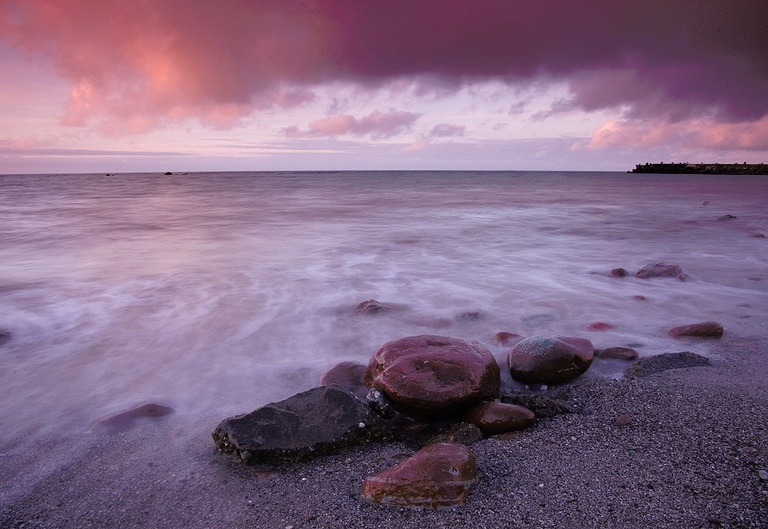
(194, 85)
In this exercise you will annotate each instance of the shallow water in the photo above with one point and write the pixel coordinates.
(214, 293)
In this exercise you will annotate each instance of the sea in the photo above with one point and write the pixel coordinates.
(216, 293)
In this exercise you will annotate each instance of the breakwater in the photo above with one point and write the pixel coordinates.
(702, 168)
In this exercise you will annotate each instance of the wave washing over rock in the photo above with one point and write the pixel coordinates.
(140, 310)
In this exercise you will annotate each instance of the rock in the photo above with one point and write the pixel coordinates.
(168, 173)
(617, 353)
(661, 270)
(4, 336)
(625, 419)
(763, 474)
(727, 217)
(543, 406)
(600, 326)
(470, 316)
(707, 329)
(347, 375)
(434, 376)
(619, 272)
(549, 360)
(639, 297)
(439, 475)
(128, 419)
(371, 306)
(506, 338)
(498, 417)
(461, 432)
(664, 362)
(316, 422)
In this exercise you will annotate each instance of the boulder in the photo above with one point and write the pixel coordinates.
(661, 270)
(707, 329)
(320, 421)
(347, 375)
(439, 475)
(430, 376)
(616, 353)
(498, 417)
(664, 362)
(549, 360)
(543, 406)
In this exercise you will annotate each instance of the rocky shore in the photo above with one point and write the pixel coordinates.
(674, 448)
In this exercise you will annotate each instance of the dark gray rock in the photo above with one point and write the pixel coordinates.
(661, 270)
(128, 419)
(542, 406)
(664, 362)
(316, 422)
(4, 336)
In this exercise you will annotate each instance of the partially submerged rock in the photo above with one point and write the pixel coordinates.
(434, 376)
(371, 306)
(346, 375)
(616, 353)
(664, 362)
(439, 475)
(506, 338)
(707, 329)
(128, 419)
(549, 360)
(498, 417)
(320, 421)
(661, 270)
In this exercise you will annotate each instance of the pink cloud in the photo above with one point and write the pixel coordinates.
(376, 124)
(144, 62)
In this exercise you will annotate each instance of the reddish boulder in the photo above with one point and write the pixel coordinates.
(549, 360)
(707, 329)
(347, 375)
(439, 475)
(661, 270)
(617, 353)
(497, 417)
(434, 376)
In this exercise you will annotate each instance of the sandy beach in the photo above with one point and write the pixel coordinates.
(691, 456)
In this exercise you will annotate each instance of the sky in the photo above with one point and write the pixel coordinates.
(250, 85)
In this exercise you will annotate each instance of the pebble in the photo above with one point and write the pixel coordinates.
(763, 475)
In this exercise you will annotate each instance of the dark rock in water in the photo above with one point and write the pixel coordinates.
(499, 417)
(619, 272)
(600, 326)
(371, 306)
(549, 360)
(661, 270)
(316, 422)
(168, 173)
(128, 419)
(543, 406)
(432, 376)
(727, 217)
(4, 336)
(461, 432)
(470, 316)
(664, 362)
(506, 338)
(617, 353)
(347, 375)
(707, 329)
(439, 475)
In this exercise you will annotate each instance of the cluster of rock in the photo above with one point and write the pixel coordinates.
(444, 389)
(653, 270)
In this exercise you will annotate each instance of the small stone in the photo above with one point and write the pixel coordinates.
(506, 338)
(763, 475)
(707, 329)
(624, 419)
(727, 217)
(461, 432)
(616, 353)
(619, 272)
(600, 326)
(498, 417)
(370, 306)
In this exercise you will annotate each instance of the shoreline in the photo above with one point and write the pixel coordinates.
(690, 457)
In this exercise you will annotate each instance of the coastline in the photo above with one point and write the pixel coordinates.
(690, 456)
(702, 168)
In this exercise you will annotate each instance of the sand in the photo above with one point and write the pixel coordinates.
(690, 456)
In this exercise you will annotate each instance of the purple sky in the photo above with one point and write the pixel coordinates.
(150, 85)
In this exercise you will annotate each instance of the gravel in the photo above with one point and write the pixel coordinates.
(685, 448)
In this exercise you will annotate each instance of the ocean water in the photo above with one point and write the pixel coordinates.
(215, 293)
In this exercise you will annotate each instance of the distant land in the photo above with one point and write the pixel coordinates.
(701, 168)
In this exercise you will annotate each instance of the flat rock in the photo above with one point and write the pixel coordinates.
(707, 329)
(439, 475)
(616, 353)
(347, 375)
(432, 376)
(549, 360)
(316, 422)
(543, 406)
(128, 419)
(664, 362)
(495, 418)
(661, 270)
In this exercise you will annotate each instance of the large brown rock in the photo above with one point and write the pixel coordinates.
(707, 329)
(549, 360)
(319, 421)
(434, 376)
(439, 475)
(497, 417)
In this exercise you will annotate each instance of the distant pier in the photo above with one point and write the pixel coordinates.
(702, 168)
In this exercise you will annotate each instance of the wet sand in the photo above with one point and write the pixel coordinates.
(690, 457)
